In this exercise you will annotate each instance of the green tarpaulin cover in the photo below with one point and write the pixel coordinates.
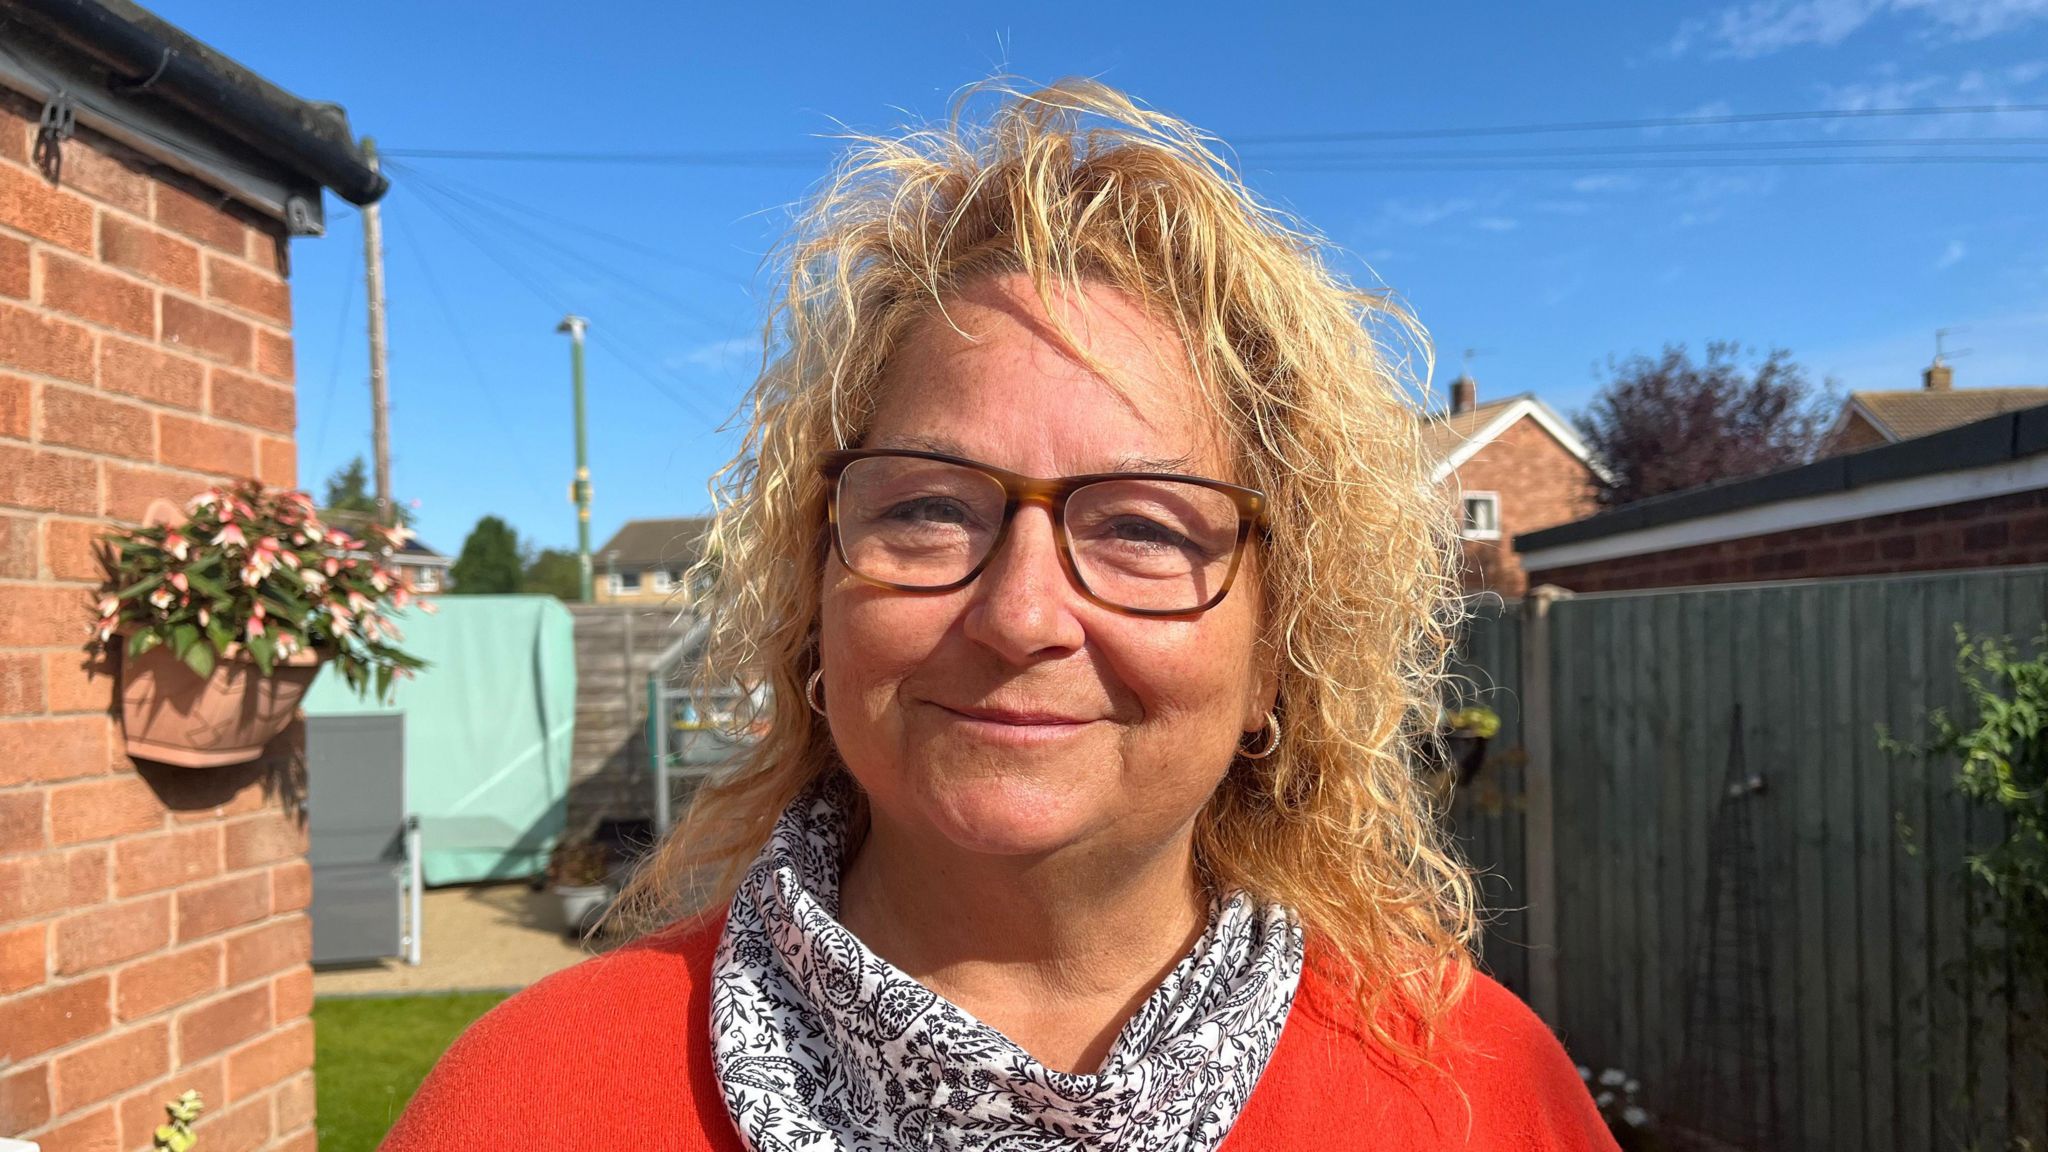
(488, 731)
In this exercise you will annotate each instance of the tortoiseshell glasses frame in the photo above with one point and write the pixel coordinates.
(1053, 495)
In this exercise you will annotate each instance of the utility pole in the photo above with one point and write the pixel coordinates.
(380, 398)
(580, 490)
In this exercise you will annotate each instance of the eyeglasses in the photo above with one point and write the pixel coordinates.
(1142, 543)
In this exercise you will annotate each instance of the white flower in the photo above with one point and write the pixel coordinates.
(1603, 1100)
(161, 597)
(1634, 1117)
(1613, 1078)
(1632, 1087)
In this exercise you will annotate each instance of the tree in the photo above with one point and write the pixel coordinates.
(491, 560)
(348, 491)
(1668, 424)
(555, 572)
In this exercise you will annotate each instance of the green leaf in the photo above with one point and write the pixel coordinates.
(199, 657)
(264, 649)
(140, 587)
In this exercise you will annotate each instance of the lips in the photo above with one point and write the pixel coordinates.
(1017, 717)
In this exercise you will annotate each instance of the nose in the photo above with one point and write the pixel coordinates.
(1023, 603)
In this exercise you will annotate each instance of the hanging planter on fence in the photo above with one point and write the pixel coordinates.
(225, 610)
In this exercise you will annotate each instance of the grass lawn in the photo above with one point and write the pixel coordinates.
(370, 1054)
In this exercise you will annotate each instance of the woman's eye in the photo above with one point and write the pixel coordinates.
(927, 510)
(1139, 531)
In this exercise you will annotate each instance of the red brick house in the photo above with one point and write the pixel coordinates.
(153, 932)
(1518, 468)
(1869, 419)
(1969, 497)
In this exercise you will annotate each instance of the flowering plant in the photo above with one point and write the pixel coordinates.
(255, 574)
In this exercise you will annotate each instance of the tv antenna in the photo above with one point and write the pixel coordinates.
(1942, 354)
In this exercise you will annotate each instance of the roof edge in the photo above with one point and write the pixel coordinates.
(1996, 439)
(310, 139)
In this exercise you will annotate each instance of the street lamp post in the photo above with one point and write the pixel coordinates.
(580, 490)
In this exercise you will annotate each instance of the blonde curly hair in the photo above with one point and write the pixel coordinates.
(1077, 182)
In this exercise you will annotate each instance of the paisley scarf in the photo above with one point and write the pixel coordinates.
(821, 1044)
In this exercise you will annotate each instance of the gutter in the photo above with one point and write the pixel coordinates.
(310, 140)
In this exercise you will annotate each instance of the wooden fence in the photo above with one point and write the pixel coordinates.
(1880, 1037)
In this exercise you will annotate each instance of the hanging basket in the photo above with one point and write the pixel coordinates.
(173, 715)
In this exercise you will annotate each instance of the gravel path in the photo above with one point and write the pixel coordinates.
(478, 936)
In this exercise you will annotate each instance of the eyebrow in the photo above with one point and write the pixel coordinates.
(1165, 465)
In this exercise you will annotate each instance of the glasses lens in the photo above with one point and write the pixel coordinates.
(916, 523)
(1152, 545)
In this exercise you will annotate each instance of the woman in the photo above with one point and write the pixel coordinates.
(1085, 536)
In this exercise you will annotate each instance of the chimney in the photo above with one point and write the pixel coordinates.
(1939, 377)
(1465, 394)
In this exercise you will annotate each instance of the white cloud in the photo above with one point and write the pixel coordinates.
(1496, 224)
(1952, 255)
(1422, 213)
(719, 355)
(2013, 84)
(1590, 184)
(1976, 19)
(1762, 27)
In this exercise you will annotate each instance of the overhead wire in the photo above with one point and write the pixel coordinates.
(793, 158)
(1689, 120)
(462, 345)
(621, 350)
(563, 223)
(571, 257)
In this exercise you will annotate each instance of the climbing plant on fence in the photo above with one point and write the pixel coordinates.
(2000, 744)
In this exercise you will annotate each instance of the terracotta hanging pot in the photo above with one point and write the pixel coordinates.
(173, 715)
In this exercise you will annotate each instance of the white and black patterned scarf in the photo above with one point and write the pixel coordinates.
(821, 1044)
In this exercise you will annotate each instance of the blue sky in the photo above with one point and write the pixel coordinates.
(1547, 270)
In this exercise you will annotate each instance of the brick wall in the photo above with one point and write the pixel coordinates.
(1982, 533)
(153, 934)
(1540, 484)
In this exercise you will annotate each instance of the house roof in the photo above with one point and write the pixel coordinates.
(2001, 439)
(1907, 413)
(1455, 437)
(672, 543)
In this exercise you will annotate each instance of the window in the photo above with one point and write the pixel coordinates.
(426, 580)
(1482, 516)
(661, 580)
(625, 582)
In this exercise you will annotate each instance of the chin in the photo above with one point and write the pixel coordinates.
(1000, 818)
(1004, 806)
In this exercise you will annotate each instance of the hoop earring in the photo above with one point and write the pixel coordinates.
(811, 694)
(1272, 742)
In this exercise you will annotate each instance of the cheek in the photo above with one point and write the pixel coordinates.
(870, 641)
